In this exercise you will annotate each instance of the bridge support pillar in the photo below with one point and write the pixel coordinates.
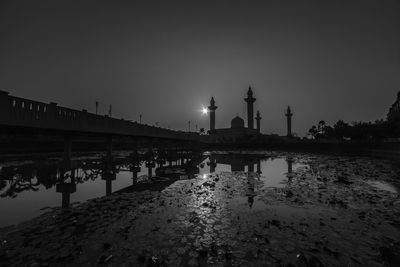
(290, 164)
(66, 189)
(251, 167)
(259, 166)
(213, 164)
(108, 186)
(109, 147)
(67, 148)
(136, 145)
(134, 176)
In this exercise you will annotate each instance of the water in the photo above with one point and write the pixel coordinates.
(384, 186)
(30, 196)
(255, 208)
(273, 171)
(33, 187)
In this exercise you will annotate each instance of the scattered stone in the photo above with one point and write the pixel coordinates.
(208, 221)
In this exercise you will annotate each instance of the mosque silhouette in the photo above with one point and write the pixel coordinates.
(238, 131)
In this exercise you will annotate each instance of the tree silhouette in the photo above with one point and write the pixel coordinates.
(202, 131)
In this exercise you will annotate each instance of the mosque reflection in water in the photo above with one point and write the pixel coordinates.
(152, 170)
(239, 163)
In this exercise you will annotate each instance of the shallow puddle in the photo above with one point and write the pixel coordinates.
(271, 209)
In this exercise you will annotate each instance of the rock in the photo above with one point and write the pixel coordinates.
(154, 259)
(207, 184)
(289, 194)
(390, 256)
(228, 255)
(141, 257)
(302, 260)
(276, 223)
(106, 246)
(313, 261)
(203, 253)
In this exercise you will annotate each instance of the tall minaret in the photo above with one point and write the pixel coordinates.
(258, 119)
(289, 115)
(250, 116)
(212, 109)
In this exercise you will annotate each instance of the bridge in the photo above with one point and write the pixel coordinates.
(24, 115)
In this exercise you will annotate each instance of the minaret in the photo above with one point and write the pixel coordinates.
(289, 115)
(258, 119)
(250, 116)
(212, 109)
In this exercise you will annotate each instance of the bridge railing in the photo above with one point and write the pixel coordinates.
(17, 111)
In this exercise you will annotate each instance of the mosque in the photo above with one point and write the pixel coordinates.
(237, 131)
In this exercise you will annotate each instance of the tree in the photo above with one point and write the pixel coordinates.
(341, 130)
(313, 132)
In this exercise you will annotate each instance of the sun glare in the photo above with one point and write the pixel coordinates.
(204, 111)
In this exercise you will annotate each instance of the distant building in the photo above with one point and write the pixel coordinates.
(237, 131)
(394, 111)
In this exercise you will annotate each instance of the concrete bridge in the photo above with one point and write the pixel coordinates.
(20, 115)
(26, 113)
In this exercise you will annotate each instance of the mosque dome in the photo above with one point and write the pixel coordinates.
(237, 122)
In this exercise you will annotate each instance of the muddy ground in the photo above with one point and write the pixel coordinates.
(330, 213)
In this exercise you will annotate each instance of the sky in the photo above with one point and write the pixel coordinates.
(328, 60)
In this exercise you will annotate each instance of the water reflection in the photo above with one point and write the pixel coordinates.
(273, 171)
(28, 186)
(66, 183)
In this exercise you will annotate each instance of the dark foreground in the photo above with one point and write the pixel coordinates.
(329, 213)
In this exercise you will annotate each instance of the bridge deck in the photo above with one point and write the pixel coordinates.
(21, 112)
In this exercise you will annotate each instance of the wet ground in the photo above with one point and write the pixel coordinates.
(327, 211)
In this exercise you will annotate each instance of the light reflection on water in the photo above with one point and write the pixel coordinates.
(30, 187)
(383, 186)
(274, 172)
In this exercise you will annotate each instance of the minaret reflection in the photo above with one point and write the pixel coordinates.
(250, 189)
(289, 161)
(250, 184)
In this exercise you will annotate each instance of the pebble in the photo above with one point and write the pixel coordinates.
(208, 221)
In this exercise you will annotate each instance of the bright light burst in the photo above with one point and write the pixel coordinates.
(204, 111)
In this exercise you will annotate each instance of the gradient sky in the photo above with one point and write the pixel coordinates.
(326, 59)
